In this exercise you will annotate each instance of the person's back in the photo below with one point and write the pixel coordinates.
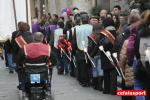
(82, 35)
(37, 46)
(57, 33)
(22, 38)
(42, 50)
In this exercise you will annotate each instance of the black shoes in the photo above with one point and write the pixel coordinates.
(11, 72)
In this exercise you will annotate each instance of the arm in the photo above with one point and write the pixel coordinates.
(20, 58)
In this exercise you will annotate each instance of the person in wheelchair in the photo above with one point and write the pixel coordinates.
(35, 60)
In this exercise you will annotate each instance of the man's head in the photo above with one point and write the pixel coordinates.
(38, 37)
(77, 19)
(123, 18)
(85, 18)
(24, 27)
(103, 13)
(19, 23)
(60, 24)
(94, 20)
(108, 22)
(134, 16)
(116, 10)
(97, 27)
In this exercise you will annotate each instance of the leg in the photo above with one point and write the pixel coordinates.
(106, 82)
(100, 82)
(66, 62)
(10, 62)
(138, 86)
(6, 58)
(21, 78)
(59, 62)
(84, 73)
(79, 72)
(127, 88)
(72, 69)
(100, 74)
(113, 81)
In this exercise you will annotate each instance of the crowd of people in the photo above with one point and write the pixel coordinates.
(97, 50)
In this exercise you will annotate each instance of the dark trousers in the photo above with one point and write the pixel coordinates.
(21, 78)
(21, 74)
(6, 58)
(72, 69)
(59, 60)
(148, 94)
(65, 64)
(83, 72)
(110, 81)
(127, 88)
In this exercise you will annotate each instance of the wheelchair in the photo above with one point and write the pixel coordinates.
(37, 84)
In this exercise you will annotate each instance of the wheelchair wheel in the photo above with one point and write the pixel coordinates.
(50, 97)
(22, 95)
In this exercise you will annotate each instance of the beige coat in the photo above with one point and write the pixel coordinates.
(127, 70)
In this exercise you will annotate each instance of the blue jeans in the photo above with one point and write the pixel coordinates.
(62, 61)
(66, 63)
(11, 65)
(97, 71)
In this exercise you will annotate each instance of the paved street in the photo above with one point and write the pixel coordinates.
(64, 88)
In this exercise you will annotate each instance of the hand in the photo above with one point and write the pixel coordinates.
(85, 50)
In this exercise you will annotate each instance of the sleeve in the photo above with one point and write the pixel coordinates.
(118, 43)
(92, 48)
(137, 45)
(52, 40)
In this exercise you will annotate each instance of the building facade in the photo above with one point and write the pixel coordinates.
(109, 4)
(39, 7)
(55, 6)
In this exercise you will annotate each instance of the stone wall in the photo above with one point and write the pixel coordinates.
(109, 4)
(55, 6)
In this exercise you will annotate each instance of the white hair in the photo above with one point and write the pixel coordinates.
(135, 12)
(134, 16)
(38, 36)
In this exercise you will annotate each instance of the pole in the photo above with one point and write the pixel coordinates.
(27, 11)
(15, 16)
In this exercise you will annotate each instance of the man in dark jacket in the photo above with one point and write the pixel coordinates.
(93, 43)
(83, 31)
(110, 73)
(23, 37)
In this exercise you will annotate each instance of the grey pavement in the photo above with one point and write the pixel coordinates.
(64, 88)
